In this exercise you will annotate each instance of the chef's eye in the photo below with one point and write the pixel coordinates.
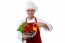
(30, 10)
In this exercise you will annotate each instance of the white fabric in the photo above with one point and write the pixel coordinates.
(30, 5)
(19, 35)
(31, 21)
(50, 27)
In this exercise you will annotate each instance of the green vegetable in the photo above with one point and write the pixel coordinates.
(21, 27)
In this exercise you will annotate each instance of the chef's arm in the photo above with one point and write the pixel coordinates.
(47, 26)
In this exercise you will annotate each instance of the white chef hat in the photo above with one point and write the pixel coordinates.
(31, 5)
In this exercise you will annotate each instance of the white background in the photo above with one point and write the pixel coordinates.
(51, 11)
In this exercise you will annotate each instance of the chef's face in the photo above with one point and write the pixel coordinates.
(30, 12)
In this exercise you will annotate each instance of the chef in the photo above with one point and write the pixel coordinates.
(31, 19)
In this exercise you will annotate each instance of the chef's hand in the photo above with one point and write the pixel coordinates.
(24, 36)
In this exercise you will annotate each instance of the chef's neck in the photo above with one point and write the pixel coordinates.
(30, 17)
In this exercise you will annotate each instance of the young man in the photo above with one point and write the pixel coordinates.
(31, 19)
